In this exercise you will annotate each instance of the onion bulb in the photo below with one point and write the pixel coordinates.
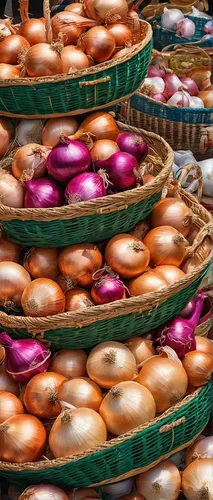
(75, 431)
(100, 124)
(171, 274)
(204, 345)
(2, 355)
(202, 448)
(71, 25)
(7, 383)
(126, 406)
(79, 262)
(30, 162)
(118, 489)
(149, 281)
(70, 363)
(41, 395)
(140, 230)
(166, 246)
(28, 132)
(106, 10)
(5, 137)
(165, 378)
(9, 251)
(110, 363)
(11, 47)
(43, 492)
(197, 480)
(55, 127)
(121, 33)
(77, 8)
(103, 149)
(8, 71)
(81, 393)
(10, 406)
(33, 30)
(11, 190)
(141, 348)
(43, 60)
(172, 212)
(42, 262)
(73, 58)
(43, 297)
(127, 255)
(199, 367)
(98, 43)
(207, 98)
(160, 482)
(78, 298)
(22, 439)
(13, 281)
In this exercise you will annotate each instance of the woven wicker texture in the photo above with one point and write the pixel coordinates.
(126, 455)
(163, 37)
(97, 219)
(85, 90)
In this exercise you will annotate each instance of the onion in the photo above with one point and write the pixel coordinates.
(71, 25)
(173, 84)
(170, 17)
(180, 98)
(202, 77)
(122, 170)
(43, 492)
(207, 174)
(166, 246)
(75, 431)
(43, 297)
(2, 356)
(42, 262)
(13, 281)
(41, 395)
(133, 144)
(43, 193)
(10, 406)
(43, 60)
(79, 262)
(33, 30)
(77, 299)
(170, 274)
(160, 482)
(155, 70)
(188, 310)
(207, 98)
(73, 58)
(204, 345)
(127, 255)
(190, 85)
(141, 348)
(185, 27)
(197, 480)
(7, 383)
(172, 212)
(199, 367)
(24, 358)
(108, 288)
(106, 10)
(126, 406)
(67, 159)
(30, 161)
(149, 281)
(158, 97)
(103, 149)
(56, 127)
(140, 230)
(202, 252)
(121, 33)
(9, 251)
(82, 493)
(28, 132)
(208, 28)
(98, 43)
(5, 136)
(22, 439)
(70, 363)
(165, 378)
(84, 187)
(77, 8)
(154, 84)
(110, 363)
(117, 490)
(195, 102)
(121, 53)
(7, 71)
(202, 448)
(101, 125)
(81, 393)
(11, 190)
(11, 47)
(4, 28)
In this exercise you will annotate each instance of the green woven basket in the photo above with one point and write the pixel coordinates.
(163, 37)
(126, 455)
(97, 219)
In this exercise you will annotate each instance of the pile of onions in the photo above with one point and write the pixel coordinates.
(166, 246)
(199, 367)
(78, 298)
(127, 255)
(11, 47)
(43, 297)
(172, 212)
(9, 251)
(43, 193)
(160, 482)
(79, 262)
(41, 395)
(108, 288)
(11, 190)
(10, 406)
(84, 187)
(43, 492)
(81, 392)
(33, 30)
(121, 169)
(126, 406)
(197, 480)
(22, 439)
(68, 159)
(75, 431)
(54, 128)
(13, 281)
(42, 262)
(30, 161)
(141, 348)
(110, 363)
(133, 144)
(70, 363)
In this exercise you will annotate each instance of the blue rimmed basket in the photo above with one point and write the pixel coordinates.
(164, 37)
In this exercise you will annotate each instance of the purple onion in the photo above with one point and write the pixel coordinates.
(108, 288)
(122, 170)
(83, 187)
(24, 358)
(133, 144)
(158, 97)
(67, 159)
(43, 193)
(154, 70)
(208, 28)
(190, 85)
(188, 310)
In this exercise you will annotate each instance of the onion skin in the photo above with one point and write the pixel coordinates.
(197, 479)
(172, 212)
(7, 71)
(9, 251)
(148, 282)
(103, 149)
(121, 33)
(122, 170)
(43, 492)
(207, 98)
(70, 363)
(141, 348)
(71, 25)
(171, 274)
(133, 144)
(99, 43)
(41, 395)
(33, 30)
(84, 187)
(202, 448)
(160, 482)
(127, 255)
(43, 60)
(77, 8)
(100, 124)
(68, 159)
(42, 262)
(19, 446)
(73, 58)
(10, 406)
(204, 345)
(199, 367)
(55, 127)
(5, 137)
(11, 47)
(42, 297)
(108, 288)
(104, 10)
(78, 299)
(81, 393)
(11, 190)
(79, 263)
(43, 193)
(13, 281)
(166, 246)
(30, 162)
(7, 383)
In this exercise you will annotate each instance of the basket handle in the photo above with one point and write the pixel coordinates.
(206, 230)
(170, 427)
(46, 9)
(206, 139)
(94, 82)
(23, 9)
(197, 175)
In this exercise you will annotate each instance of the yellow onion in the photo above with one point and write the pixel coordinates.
(141, 348)
(11, 47)
(79, 262)
(13, 281)
(42, 262)
(8, 71)
(33, 30)
(30, 162)
(22, 439)
(106, 10)
(166, 246)
(78, 298)
(41, 395)
(98, 125)
(11, 191)
(43, 297)
(71, 25)
(9, 251)
(55, 127)
(70, 363)
(172, 212)
(149, 281)
(98, 43)
(43, 492)
(5, 137)
(199, 367)
(81, 393)
(126, 255)
(6, 382)
(43, 59)
(103, 149)
(10, 406)
(160, 482)
(73, 58)
(121, 33)
(77, 8)
(207, 98)
(197, 480)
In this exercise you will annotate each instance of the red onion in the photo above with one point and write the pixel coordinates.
(186, 27)
(188, 310)
(155, 71)
(43, 193)
(108, 288)
(180, 98)
(133, 144)
(122, 170)
(179, 333)
(85, 187)
(158, 97)
(172, 84)
(24, 358)
(67, 159)
(208, 28)
(190, 85)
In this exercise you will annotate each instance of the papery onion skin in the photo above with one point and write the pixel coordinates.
(33, 30)
(99, 43)
(30, 162)
(55, 127)
(172, 212)
(84, 187)
(201, 448)
(103, 149)
(13, 281)
(73, 58)
(133, 144)
(120, 488)
(104, 10)
(77, 8)
(110, 363)
(22, 438)
(81, 393)
(160, 482)
(171, 274)
(75, 431)
(121, 33)
(71, 25)
(148, 282)
(78, 299)
(99, 124)
(204, 345)
(42, 262)
(140, 230)
(69, 363)
(199, 367)
(68, 159)
(108, 288)
(122, 170)
(43, 193)
(166, 246)
(10, 406)
(43, 60)
(11, 47)
(7, 383)
(29, 131)
(127, 255)
(79, 263)
(5, 137)
(11, 190)
(41, 395)
(43, 492)
(126, 406)
(197, 480)
(43, 297)
(141, 348)
(8, 71)
(9, 251)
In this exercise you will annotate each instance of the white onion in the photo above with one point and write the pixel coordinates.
(180, 98)
(186, 27)
(207, 173)
(170, 17)
(29, 131)
(157, 84)
(195, 102)
(117, 490)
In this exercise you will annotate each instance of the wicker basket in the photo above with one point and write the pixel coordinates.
(93, 220)
(123, 318)
(79, 92)
(204, 325)
(163, 37)
(125, 456)
(183, 128)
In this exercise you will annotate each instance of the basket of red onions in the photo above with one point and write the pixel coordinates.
(83, 182)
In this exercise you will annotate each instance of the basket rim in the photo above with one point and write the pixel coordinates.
(104, 204)
(4, 466)
(134, 50)
(176, 108)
